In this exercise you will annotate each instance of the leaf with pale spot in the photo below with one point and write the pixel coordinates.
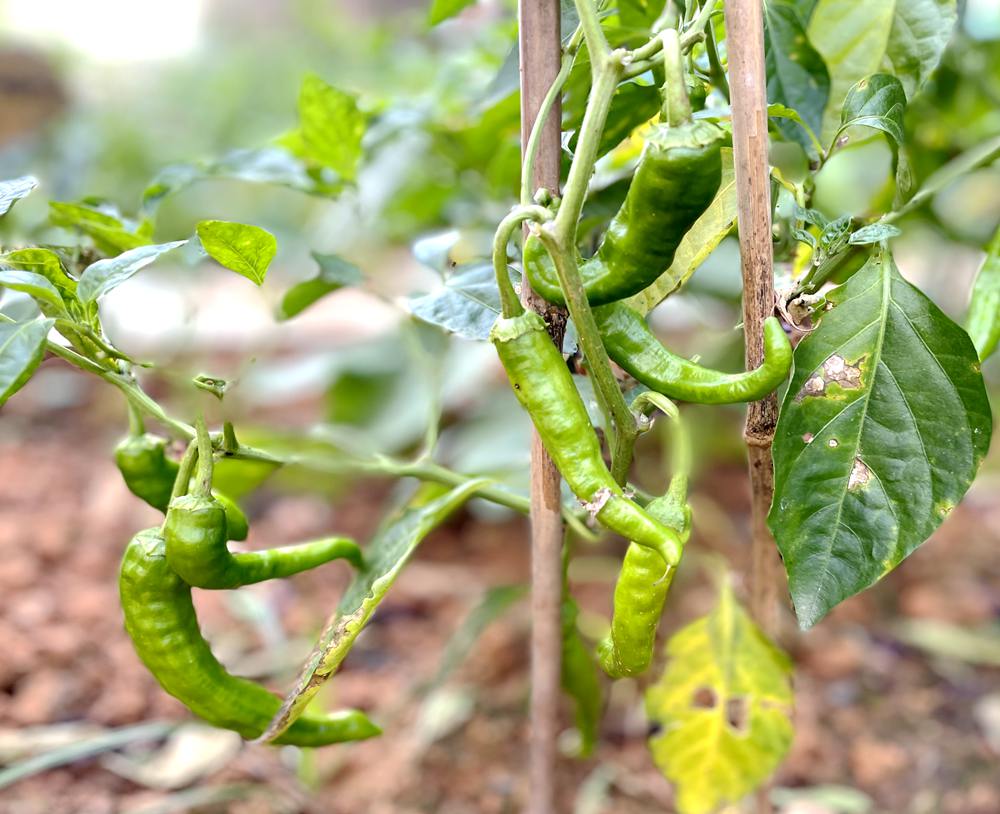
(723, 706)
(881, 432)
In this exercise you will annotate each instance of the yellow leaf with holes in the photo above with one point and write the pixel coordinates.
(723, 706)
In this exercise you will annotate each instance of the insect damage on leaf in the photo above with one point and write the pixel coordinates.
(860, 475)
(836, 370)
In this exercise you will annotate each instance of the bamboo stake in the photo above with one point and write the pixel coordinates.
(540, 56)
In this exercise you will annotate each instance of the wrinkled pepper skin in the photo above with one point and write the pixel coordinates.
(545, 388)
(195, 534)
(641, 591)
(633, 346)
(160, 619)
(149, 473)
(677, 178)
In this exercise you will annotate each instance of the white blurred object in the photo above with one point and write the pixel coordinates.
(110, 30)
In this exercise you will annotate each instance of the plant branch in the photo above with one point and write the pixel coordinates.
(597, 43)
(509, 302)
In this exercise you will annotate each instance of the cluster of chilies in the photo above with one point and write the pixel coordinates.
(190, 549)
(676, 179)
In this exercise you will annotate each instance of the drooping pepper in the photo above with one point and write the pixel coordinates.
(545, 388)
(161, 621)
(196, 533)
(629, 342)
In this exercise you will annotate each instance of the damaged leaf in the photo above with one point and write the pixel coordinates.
(883, 427)
(385, 558)
(723, 706)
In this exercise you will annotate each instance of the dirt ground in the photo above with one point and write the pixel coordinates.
(897, 693)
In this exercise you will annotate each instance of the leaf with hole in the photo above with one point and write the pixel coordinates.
(22, 348)
(723, 706)
(13, 190)
(101, 277)
(385, 557)
(247, 250)
(334, 273)
(881, 431)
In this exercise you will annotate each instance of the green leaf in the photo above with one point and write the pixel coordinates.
(111, 233)
(43, 262)
(100, 277)
(442, 10)
(239, 247)
(877, 101)
(796, 74)
(983, 319)
(874, 233)
(723, 705)
(37, 286)
(385, 557)
(13, 190)
(920, 31)
(334, 273)
(467, 304)
(881, 431)
(22, 348)
(580, 678)
(701, 240)
(852, 38)
(330, 128)
(639, 14)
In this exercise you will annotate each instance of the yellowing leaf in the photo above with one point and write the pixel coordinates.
(700, 241)
(723, 706)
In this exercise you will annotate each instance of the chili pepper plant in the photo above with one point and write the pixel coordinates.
(884, 415)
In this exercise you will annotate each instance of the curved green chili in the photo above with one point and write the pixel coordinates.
(196, 533)
(633, 346)
(161, 621)
(545, 388)
(642, 586)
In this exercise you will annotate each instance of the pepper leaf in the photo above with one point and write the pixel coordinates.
(13, 190)
(983, 320)
(467, 304)
(873, 233)
(442, 10)
(920, 31)
(247, 250)
(334, 273)
(100, 277)
(35, 285)
(43, 262)
(881, 431)
(877, 101)
(22, 348)
(723, 706)
(852, 38)
(331, 127)
(385, 557)
(796, 74)
(111, 233)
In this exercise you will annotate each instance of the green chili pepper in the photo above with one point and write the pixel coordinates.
(642, 584)
(150, 474)
(677, 178)
(161, 621)
(642, 590)
(544, 386)
(635, 348)
(196, 533)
